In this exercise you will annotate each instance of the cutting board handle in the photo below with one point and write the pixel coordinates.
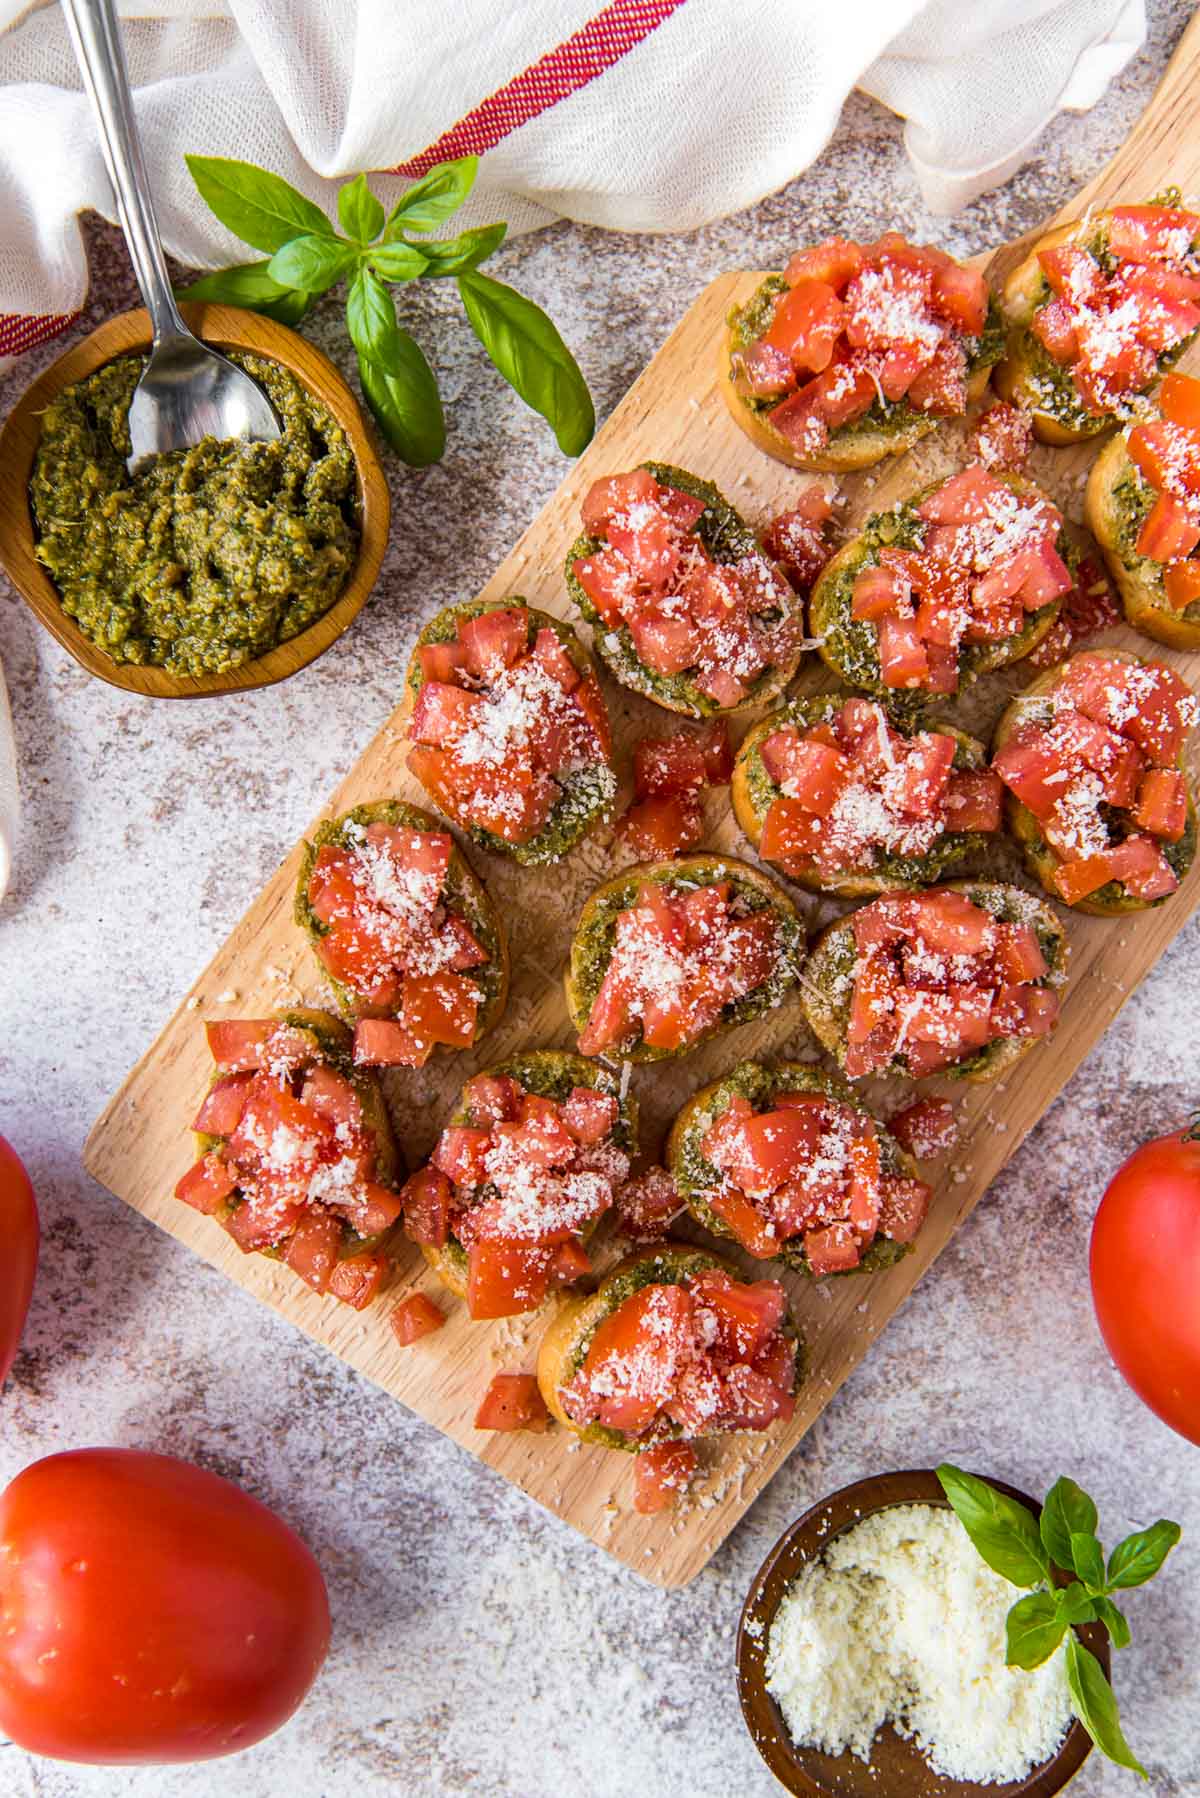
(1161, 148)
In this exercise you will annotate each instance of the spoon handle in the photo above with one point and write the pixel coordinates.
(97, 41)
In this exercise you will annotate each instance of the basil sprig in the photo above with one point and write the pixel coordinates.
(1026, 1551)
(373, 253)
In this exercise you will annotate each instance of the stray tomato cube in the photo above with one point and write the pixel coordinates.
(512, 1402)
(661, 1474)
(357, 1278)
(414, 1317)
(926, 1128)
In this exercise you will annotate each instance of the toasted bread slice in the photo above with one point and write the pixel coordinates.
(850, 646)
(594, 938)
(333, 1044)
(466, 894)
(886, 430)
(728, 539)
(1110, 901)
(696, 1178)
(1117, 503)
(828, 984)
(753, 792)
(568, 1338)
(587, 795)
(551, 1074)
(1028, 376)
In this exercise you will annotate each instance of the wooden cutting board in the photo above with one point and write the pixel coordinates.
(141, 1145)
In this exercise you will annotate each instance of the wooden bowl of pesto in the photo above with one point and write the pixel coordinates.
(327, 520)
(897, 1768)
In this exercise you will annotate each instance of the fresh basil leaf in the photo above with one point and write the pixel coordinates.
(1093, 1703)
(371, 318)
(527, 349)
(1033, 1630)
(398, 261)
(432, 199)
(453, 255)
(262, 209)
(313, 263)
(406, 405)
(1114, 1620)
(1004, 1532)
(1140, 1556)
(249, 285)
(1075, 1603)
(1087, 1558)
(360, 213)
(1067, 1508)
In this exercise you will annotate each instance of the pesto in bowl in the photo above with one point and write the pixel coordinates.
(208, 557)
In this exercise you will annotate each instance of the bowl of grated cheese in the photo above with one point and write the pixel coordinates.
(870, 1658)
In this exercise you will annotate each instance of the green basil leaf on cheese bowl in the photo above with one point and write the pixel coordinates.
(877, 991)
(465, 1180)
(402, 927)
(509, 730)
(1118, 836)
(684, 605)
(790, 1162)
(965, 576)
(668, 954)
(882, 806)
(582, 1323)
(1118, 501)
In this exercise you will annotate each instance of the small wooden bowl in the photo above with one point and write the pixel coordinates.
(897, 1768)
(226, 328)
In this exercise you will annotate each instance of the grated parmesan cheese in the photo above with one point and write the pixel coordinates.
(900, 1621)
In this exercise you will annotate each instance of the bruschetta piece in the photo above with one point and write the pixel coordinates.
(297, 1156)
(1092, 755)
(520, 1177)
(673, 1343)
(684, 606)
(1096, 312)
(856, 351)
(509, 730)
(790, 1162)
(845, 801)
(966, 576)
(1143, 507)
(404, 931)
(958, 980)
(666, 954)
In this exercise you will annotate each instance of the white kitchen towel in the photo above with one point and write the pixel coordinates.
(643, 115)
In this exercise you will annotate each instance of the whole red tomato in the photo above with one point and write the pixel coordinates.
(1146, 1276)
(149, 1611)
(18, 1256)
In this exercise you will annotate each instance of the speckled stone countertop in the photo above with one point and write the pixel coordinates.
(479, 1645)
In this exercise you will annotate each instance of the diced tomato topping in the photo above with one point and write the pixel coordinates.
(1179, 400)
(221, 1112)
(312, 1251)
(806, 325)
(506, 1278)
(569, 1261)
(646, 1206)
(237, 1046)
(428, 1201)
(1182, 583)
(1152, 233)
(441, 661)
(208, 1184)
(493, 640)
(1171, 530)
(835, 262)
(414, 1317)
(512, 1402)
(661, 1474)
(797, 539)
(492, 1098)
(613, 494)
(385, 1043)
(1162, 803)
(356, 1279)
(1002, 438)
(589, 1115)
(926, 1128)
(1142, 868)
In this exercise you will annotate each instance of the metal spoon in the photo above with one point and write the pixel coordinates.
(187, 391)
